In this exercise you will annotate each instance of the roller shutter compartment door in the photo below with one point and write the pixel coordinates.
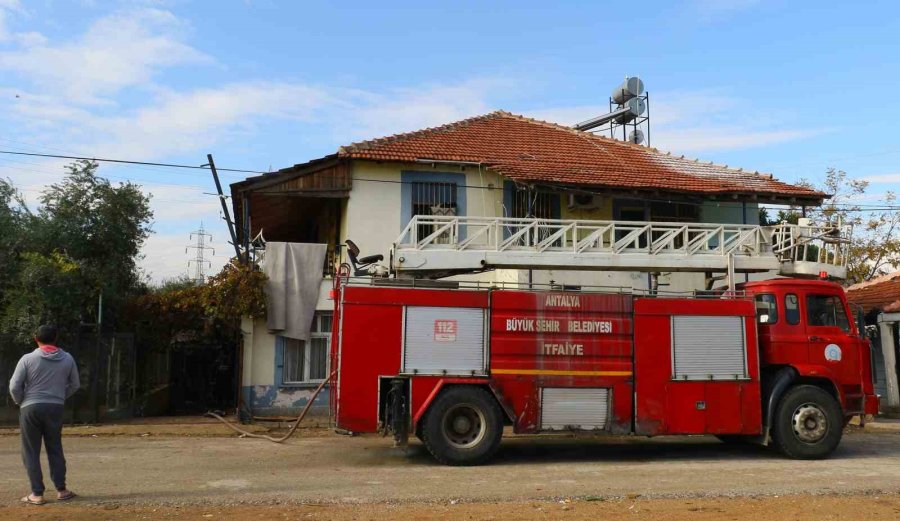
(708, 348)
(444, 340)
(571, 408)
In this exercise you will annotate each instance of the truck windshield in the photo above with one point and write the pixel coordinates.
(766, 309)
(826, 310)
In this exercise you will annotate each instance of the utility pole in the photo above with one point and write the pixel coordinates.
(200, 248)
(228, 221)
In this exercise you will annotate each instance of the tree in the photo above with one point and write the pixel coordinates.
(783, 216)
(84, 240)
(15, 222)
(101, 225)
(875, 244)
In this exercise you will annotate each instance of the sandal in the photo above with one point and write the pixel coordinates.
(27, 499)
(66, 497)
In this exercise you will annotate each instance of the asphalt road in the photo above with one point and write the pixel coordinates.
(331, 468)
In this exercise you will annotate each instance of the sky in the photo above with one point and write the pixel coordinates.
(786, 87)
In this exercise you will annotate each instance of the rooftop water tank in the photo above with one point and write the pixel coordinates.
(635, 106)
(629, 89)
(636, 136)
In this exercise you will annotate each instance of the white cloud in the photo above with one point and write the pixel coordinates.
(174, 261)
(403, 110)
(189, 121)
(883, 178)
(118, 51)
(5, 7)
(717, 138)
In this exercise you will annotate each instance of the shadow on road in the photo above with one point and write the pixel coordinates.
(516, 451)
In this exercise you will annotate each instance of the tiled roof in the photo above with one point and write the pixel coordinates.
(532, 151)
(880, 293)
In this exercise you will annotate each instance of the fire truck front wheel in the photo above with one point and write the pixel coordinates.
(463, 426)
(808, 423)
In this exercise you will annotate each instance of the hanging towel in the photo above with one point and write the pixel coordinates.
(295, 274)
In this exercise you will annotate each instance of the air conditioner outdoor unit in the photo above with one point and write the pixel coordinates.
(585, 201)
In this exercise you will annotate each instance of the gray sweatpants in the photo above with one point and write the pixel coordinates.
(43, 421)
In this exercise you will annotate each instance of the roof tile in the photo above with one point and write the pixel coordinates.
(531, 151)
(879, 293)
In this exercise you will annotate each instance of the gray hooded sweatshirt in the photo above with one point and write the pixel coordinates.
(42, 377)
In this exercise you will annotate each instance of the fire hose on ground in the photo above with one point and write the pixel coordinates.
(293, 428)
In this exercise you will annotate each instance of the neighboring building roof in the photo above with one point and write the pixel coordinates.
(879, 293)
(536, 152)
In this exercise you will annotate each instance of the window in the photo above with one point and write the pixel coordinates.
(307, 362)
(522, 203)
(766, 309)
(674, 212)
(826, 310)
(433, 199)
(541, 205)
(791, 309)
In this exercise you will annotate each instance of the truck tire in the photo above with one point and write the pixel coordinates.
(808, 423)
(463, 426)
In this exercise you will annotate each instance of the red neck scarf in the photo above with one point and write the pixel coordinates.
(49, 349)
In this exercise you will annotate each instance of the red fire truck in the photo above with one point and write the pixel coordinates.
(780, 362)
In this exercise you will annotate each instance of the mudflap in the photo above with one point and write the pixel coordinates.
(397, 416)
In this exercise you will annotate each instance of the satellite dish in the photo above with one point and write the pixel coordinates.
(635, 107)
(630, 88)
(636, 136)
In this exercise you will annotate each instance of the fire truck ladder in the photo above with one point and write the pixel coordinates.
(437, 246)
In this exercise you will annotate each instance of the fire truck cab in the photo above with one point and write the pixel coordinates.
(779, 362)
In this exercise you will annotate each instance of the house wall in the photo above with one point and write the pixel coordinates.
(261, 388)
(377, 210)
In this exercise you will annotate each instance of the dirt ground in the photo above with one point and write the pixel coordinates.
(767, 508)
(321, 475)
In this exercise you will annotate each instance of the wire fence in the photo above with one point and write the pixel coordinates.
(122, 377)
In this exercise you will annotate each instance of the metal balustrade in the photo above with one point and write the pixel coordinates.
(436, 245)
(811, 250)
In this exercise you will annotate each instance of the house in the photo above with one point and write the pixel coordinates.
(879, 299)
(495, 165)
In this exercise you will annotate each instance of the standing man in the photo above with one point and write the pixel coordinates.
(43, 380)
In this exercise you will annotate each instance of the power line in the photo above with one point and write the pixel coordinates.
(35, 148)
(128, 162)
(10, 162)
(845, 206)
(732, 204)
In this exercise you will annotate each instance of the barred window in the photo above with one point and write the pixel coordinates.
(535, 204)
(307, 362)
(433, 199)
(539, 205)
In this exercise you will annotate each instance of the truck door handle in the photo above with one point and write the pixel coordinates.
(816, 339)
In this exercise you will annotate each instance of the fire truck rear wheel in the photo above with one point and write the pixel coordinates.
(808, 423)
(463, 426)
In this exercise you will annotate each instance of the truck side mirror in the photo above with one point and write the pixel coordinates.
(860, 317)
